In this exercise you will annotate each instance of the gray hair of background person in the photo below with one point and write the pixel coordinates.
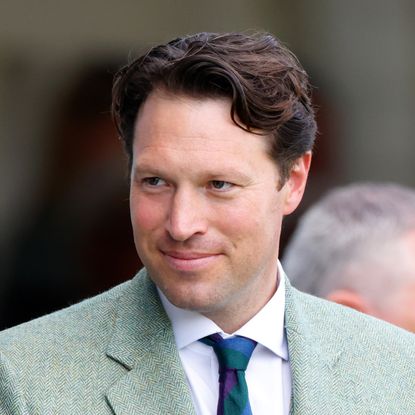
(353, 229)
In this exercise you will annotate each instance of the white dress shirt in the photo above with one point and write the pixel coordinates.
(268, 374)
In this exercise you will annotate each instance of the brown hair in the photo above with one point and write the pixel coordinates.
(266, 84)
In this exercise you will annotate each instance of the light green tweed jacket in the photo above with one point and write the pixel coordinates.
(115, 354)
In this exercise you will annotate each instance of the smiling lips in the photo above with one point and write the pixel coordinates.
(189, 261)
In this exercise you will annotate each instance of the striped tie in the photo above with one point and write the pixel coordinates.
(233, 356)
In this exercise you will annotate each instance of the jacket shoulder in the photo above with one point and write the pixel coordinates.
(75, 323)
(363, 361)
(59, 361)
(352, 328)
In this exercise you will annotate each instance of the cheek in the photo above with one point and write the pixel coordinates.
(407, 307)
(401, 311)
(145, 215)
(249, 223)
(236, 220)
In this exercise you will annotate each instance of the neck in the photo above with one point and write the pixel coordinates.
(232, 318)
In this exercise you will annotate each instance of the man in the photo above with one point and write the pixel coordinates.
(219, 130)
(356, 247)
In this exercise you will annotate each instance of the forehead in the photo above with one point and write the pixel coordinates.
(180, 122)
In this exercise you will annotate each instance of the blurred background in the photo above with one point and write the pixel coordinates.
(64, 220)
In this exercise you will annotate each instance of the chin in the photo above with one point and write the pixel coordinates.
(190, 299)
(189, 291)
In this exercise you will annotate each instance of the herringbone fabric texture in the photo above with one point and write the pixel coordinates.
(115, 354)
(233, 356)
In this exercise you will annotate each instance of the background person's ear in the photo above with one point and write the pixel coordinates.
(350, 299)
(296, 182)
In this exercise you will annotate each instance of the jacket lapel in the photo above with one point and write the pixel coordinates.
(143, 343)
(314, 353)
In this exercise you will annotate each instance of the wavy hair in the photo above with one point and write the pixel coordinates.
(269, 91)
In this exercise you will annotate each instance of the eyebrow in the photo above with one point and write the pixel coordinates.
(146, 168)
(150, 169)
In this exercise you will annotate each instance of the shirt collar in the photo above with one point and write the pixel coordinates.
(258, 328)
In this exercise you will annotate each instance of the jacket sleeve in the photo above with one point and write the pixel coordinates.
(11, 397)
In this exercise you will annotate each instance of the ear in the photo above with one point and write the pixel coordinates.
(350, 299)
(295, 184)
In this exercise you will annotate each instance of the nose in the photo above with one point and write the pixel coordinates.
(187, 215)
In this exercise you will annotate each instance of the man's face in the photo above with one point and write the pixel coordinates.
(398, 304)
(206, 205)
(403, 314)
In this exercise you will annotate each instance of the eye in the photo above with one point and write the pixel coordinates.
(154, 181)
(220, 185)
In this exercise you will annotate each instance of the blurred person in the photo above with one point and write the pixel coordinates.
(356, 246)
(219, 130)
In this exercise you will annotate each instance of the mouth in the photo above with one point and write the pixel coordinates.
(189, 261)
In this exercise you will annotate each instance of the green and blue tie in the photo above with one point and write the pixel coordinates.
(233, 356)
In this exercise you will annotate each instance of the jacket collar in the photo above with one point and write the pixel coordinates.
(143, 343)
(318, 356)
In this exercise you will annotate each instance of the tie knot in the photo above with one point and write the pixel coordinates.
(232, 353)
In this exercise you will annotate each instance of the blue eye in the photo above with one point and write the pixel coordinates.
(221, 185)
(154, 181)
